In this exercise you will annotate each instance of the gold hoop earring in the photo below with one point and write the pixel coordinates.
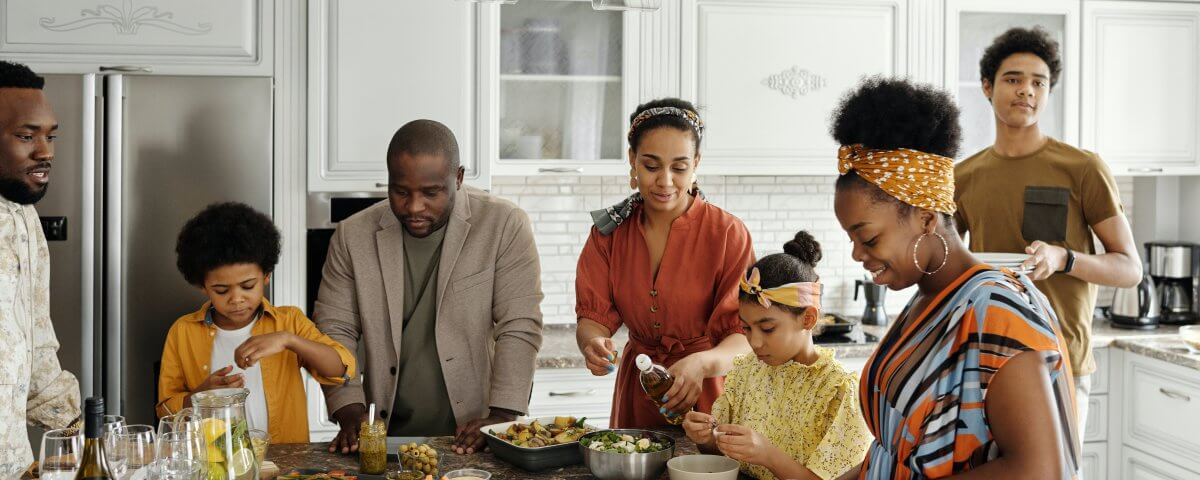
(695, 186)
(945, 253)
(633, 183)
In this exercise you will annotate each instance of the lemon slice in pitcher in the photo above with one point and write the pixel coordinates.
(241, 462)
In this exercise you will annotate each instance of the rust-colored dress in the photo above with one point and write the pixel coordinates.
(690, 307)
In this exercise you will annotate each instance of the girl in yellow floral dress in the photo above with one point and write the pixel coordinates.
(791, 411)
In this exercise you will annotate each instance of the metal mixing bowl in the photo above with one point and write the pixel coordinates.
(629, 466)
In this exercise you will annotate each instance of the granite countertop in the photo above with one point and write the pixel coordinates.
(1168, 349)
(316, 455)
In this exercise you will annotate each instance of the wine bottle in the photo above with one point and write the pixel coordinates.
(94, 466)
(655, 381)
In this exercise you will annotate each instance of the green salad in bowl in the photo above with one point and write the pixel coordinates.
(614, 442)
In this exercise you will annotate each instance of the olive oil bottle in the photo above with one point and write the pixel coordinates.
(94, 466)
(656, 381)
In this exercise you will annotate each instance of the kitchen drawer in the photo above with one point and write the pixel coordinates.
(571, 391)
(1101, 375)
(1095, 463)
(1136, 465)
(1161, 412)
(1097, 419)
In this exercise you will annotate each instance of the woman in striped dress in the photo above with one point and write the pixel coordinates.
(971, 380)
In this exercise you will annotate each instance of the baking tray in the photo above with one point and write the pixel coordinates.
(532, 459)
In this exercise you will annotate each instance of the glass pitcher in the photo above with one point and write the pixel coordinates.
(227, 446)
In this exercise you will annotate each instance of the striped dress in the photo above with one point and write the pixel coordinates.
(924, 388)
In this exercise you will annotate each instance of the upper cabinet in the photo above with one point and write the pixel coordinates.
(972, 25)
(375, 65)
(768, 74)
(212, 37)
(557, 87)
(1141, 104)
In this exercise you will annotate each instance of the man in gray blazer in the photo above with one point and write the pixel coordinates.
(440, 288)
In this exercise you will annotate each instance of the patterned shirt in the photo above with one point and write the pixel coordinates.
(809, 411)
(34, 388)
(924, 390)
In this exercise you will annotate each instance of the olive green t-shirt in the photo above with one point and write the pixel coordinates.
(422, 406)
(1055, 195)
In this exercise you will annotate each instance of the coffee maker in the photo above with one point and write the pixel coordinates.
(873, 314)
(1175, 268)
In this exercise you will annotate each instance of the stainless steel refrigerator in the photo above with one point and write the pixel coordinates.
(137, 155)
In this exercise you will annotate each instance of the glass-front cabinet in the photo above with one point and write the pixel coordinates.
(557, 87)
(972, 25)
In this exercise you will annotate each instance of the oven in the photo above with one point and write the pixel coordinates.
(325, 210)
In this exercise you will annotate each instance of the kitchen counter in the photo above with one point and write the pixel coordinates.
(1168, 349)
(316, 455)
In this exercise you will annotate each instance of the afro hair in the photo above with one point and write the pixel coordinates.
(16, 75)
(226, 234)
(1021, 40)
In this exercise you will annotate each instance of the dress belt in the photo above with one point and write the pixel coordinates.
(668, 349)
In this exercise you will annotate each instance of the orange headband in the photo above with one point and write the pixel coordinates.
(917, 178)
(799, 294)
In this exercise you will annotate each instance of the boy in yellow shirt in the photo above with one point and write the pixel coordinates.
(238, 339)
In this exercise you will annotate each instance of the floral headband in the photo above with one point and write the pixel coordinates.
(799, 294)
(689, 116)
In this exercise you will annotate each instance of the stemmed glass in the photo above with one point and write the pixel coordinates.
(61, 453)
(130, 449)
(179, 457)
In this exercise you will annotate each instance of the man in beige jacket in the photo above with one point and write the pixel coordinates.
(441, 284)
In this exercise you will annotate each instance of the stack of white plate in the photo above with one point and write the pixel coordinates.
(1011, 261)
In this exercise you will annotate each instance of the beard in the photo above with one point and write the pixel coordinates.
(17, 191)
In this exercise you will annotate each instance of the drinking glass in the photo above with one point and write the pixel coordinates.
(259, 440)
(179, 457)
(113, 422)
(133, 449)
(61, 453)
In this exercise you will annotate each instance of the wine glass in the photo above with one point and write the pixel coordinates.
(179, 457)
(62, 450)
(133, 449)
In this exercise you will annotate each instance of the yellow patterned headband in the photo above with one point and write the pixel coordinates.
(917, 178)
(799, 294)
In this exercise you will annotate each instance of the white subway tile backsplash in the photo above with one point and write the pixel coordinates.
(772, 208)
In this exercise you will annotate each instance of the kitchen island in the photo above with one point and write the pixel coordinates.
(316, 455)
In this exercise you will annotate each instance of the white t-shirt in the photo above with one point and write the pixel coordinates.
(225, 342)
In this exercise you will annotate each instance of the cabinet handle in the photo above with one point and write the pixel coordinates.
(381, 185)
(560, 170)
(1174, 394)
(573, 393)
(1146, 169)
(125, 68)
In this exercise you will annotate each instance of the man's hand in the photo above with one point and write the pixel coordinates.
(1045, 260)
(261, 346)
(468, 439)
(349, 419)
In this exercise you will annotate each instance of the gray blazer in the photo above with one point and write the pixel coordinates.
(489, 294)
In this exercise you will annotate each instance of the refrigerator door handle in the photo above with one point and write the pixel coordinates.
(87, 265)
(114, 106)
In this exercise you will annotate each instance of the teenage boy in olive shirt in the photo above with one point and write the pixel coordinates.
(1031, 193)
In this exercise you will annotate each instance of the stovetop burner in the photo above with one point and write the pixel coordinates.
(856, 336)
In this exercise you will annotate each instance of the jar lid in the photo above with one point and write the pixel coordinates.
(221, 397)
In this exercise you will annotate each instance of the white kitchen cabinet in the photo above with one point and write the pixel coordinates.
(769, 73)
(572, 392)
(1161, 413)
(1140, 105)
(972, 25)
(559, 80)
(1094, 467)
(178, 37)
(1137, 465)
(375, 65)
(321, 428)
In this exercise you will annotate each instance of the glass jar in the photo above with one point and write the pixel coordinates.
(372, 448)
(226, 431)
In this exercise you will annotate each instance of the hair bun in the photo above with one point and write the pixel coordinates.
(804, 247)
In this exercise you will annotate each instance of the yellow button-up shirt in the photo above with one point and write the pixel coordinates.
(33, 387)
(186, 356)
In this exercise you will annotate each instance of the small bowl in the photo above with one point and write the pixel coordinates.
(1191, 337)
(470, 473)
(703, 467)
(629, 466)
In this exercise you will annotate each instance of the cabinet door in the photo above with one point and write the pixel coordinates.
(1136, 465)
(572, 392)
(1161, 409)
(219, 37)
(1141, 107)
(972, 25)
(375, 65)
(769, 73)
(558, 87)
(1094, 465)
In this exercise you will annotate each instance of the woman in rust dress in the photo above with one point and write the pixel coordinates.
(665, 264)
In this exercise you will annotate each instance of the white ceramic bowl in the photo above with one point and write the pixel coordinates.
(703, 467)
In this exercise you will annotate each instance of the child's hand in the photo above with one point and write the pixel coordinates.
(744, 444)
(261, 346)
(221, 379)
(699, 427)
